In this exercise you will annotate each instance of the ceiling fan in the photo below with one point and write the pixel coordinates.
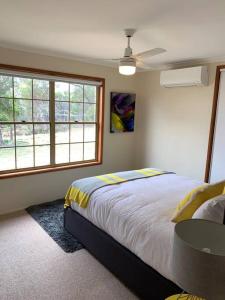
(129, 62)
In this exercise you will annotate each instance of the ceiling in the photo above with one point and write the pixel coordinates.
(93, 29)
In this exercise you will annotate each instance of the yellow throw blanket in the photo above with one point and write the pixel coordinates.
(81, 190)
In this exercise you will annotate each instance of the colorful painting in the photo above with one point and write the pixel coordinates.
(122, 112)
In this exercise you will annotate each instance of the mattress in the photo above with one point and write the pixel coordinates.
(137, 214)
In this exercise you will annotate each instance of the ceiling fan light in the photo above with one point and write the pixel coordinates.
(127, 67)
(127, 70)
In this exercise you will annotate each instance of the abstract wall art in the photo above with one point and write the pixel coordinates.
(122, 112)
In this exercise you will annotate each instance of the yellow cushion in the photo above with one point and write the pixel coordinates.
(223, 192)
(183, 297)
(187, 207)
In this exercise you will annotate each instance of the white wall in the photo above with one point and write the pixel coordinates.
(20, 192)
(173, 125)
(171, 133)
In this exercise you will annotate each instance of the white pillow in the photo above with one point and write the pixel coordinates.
(212, 210)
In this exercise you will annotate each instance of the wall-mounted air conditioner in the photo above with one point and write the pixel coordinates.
(184, 77)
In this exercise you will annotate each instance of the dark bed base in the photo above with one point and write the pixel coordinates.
(131, 270)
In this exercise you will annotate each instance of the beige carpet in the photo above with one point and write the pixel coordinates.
(33, 266)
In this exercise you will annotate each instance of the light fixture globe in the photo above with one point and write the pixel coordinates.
(127, 66)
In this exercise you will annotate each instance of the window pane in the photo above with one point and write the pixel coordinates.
(6, 110)
(76, 112)
(6, 89)
(22, 87)
(24, 134)
(62, 111)
(89, 151)
(89, 132)
(62, 153)
(42, 155)
(89, 93)
(76, 133)
(24, 157)
(62, 91)
(6, 135)
(76, 92)
(7, 159)
(76, 152)
(23, 110)
(42, 134)
(41, 111)
(89, 112)
(41, 89)
(61, 133)
(27, 100)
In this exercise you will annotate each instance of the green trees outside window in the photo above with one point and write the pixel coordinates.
(39, 127)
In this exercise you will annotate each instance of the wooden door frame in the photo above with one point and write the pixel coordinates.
(213, 122)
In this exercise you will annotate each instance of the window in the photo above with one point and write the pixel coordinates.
(49, 122)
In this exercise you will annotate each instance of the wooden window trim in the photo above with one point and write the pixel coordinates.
(100, 125)
(213, 122)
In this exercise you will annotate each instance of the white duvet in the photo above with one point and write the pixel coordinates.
(137, 214)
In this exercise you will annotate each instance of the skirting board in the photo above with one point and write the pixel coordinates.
(143, 280)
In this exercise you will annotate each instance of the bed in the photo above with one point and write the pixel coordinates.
(127, 228)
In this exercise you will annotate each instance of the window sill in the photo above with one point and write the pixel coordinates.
(46, 169)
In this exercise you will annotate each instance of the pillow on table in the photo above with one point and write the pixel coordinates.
(187, 207)
(212, 210)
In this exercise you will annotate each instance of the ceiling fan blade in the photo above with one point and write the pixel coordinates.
(150, 53)
(110, 59)
(83, 58)
(142, 65)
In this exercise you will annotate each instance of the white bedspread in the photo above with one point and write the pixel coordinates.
(137, 214)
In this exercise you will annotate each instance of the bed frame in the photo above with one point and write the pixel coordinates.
(143, 280)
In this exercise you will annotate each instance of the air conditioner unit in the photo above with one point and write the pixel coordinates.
(185, 77)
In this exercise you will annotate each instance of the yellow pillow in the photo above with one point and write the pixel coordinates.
(187, 207)
(223, 192)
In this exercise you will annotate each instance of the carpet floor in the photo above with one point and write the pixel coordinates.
(34, 267)
(50, 216)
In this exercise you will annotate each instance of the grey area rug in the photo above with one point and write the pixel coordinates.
(50, 216)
